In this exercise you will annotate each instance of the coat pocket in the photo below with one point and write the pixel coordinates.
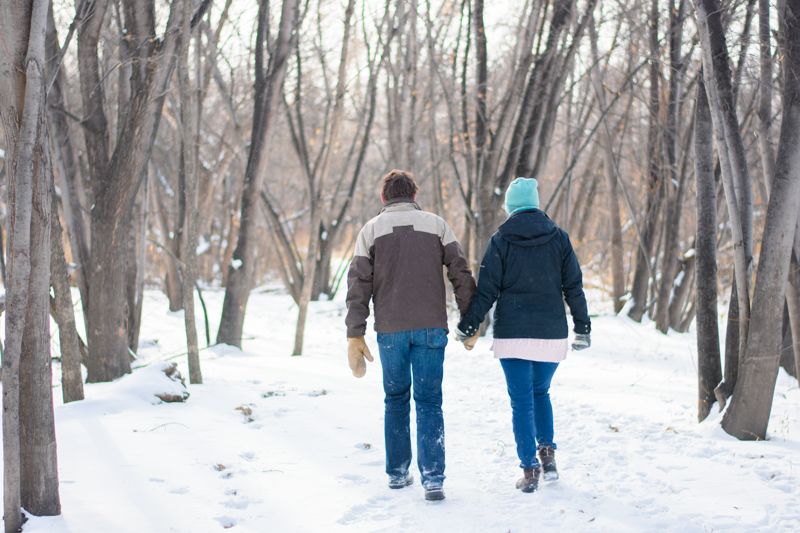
(437, 338)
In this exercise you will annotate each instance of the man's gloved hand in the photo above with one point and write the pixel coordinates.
(582, 341)
(356, 352)
(469, 342)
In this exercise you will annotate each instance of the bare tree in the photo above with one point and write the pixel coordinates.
(748, 414)
(30, 475)
(733, 162)
(268, 93)
(116, 178)
(189, 160)
(655, 185)
(709, 371)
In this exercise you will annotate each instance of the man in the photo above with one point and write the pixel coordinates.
(398, 264)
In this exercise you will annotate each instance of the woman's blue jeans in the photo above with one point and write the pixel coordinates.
(528, 385)
(420, 351)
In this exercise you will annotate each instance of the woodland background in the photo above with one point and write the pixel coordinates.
(199, 145)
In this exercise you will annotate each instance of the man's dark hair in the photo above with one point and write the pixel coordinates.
(398, 184)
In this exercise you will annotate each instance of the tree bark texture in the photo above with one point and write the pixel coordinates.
(709, 371)
(748, 415)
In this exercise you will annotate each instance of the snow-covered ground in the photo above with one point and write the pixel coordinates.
(274, 443)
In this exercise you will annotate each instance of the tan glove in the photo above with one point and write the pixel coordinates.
(469, 343)
(356, 352)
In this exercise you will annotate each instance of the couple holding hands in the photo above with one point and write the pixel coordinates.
(530, 270)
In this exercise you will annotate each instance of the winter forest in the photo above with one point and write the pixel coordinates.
(181, 187)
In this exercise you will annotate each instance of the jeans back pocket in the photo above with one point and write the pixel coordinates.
(437, 338)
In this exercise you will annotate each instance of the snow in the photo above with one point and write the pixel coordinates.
(202, 245)
(277, 443)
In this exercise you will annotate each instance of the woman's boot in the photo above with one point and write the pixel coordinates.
(529, 482)
(547, 456)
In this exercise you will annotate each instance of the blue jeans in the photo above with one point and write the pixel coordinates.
(528, 385)
(420, 350)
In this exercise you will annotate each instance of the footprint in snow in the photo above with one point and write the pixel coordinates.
(156, 480)
(227, 521)
(178, 490)
(239, 503)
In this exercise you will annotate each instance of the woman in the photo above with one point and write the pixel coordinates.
(530, 269)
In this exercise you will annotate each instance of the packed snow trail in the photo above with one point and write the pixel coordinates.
(304, 453)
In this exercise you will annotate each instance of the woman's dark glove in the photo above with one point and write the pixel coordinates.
(582, 341)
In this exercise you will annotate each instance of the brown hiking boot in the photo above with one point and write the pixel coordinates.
(530, 480)
(547, 456)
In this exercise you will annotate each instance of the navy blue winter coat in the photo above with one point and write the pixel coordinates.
(530, 269)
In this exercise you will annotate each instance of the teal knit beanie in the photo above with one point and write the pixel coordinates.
(521, 194)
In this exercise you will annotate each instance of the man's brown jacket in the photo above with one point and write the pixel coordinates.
(398, 263)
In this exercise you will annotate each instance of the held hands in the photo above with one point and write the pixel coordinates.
(582, 341)
(356, 352)
(469, 342)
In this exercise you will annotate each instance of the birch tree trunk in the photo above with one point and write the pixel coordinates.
(748, 414)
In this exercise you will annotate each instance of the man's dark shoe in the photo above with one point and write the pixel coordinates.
(529, 482)
(547, 456)
(398, 482)
(434, 493)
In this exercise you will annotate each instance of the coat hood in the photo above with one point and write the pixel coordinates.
(530, 227)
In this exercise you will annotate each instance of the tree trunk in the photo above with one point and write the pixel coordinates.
(64, 152)
(315, 194)
(736, 180)
(674, 200)
(683, 287)
(30, 477)
(709, 372)
(610, 174)
(141, 252)
(116, 186)
(748, 415)
(131, 276)
(71, 378)
(173, 284)
(655, 187)
(269, 88)
(189, 158)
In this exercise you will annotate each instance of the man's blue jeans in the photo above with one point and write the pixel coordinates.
(420, 350)
(528, 385)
